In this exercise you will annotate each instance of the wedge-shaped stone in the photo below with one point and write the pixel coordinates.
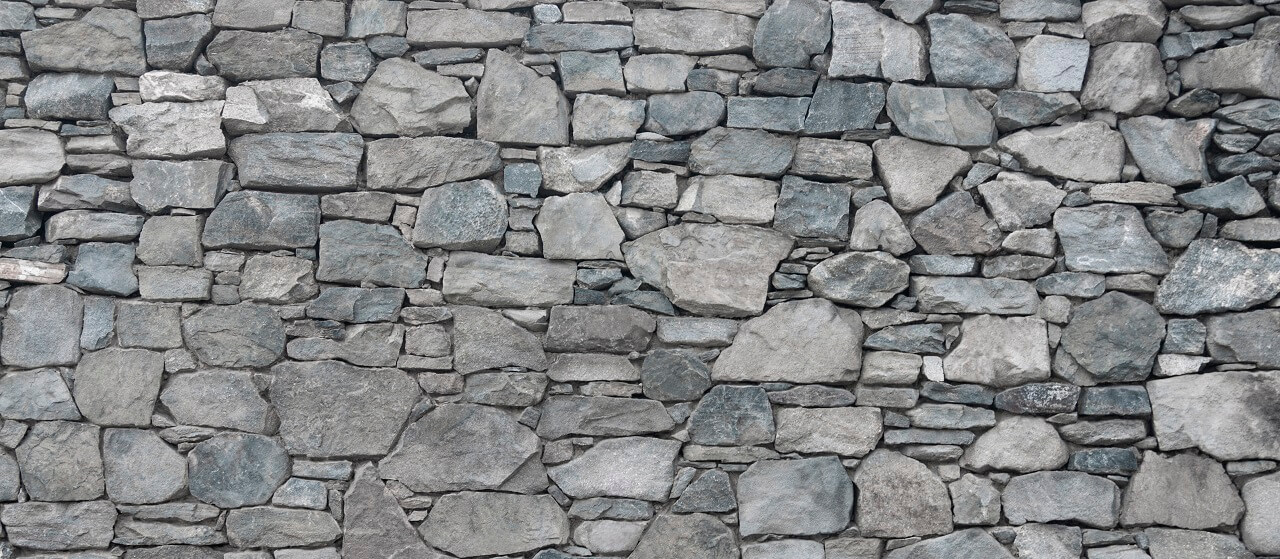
(272, 527)
(974, 542)
(1084, 151)
(373, 524)
(471, 524)
(956, 225)
(287, 105)
(218, 398)
(172, 130)
(104, 40)
(253, 55)
(1249, 68)
(404, 99)
(999, 351)
(720, 270)
(1108, 239)
(940, 115)
(302, 161)
(463, 447)
(805, 341)
(601, 416)
(581, 169)
(1183, 491)
(735, 151)
(1018, 201)
(914, 172)
(1169, 151)
(472, 278)
(39, 394)
(686, 536)
(899, 497)
(868, 43)
(692, 31)
(1225, 414)
(330, 409)
(1215, 275)
(60, 526)
(414, 164)
(263, 221)
(628, 467)
(515, 105)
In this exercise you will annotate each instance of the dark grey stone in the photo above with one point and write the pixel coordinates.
(69, 96)
(1104, 461)
(304, 161)
(732, 416)
(42, 327)
(18, 216)
(1216, 275)
(728, 151)
(679, 114)
(263, 221)
(174, 43)
(357, 253)
(104, 40)
(243, 335)
(671, 375)
(105, 268)
(791, 32)
(251, 55)
(1039, 398)
(468, 215)
(236, 469)
(840, 106)
(965, 53)
(711, 492)
(1115, 337)
(1124, 401)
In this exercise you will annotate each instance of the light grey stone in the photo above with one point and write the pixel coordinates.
(790, 32)
(1169, 151)
(1126, 78)
(581, 169)
(966, 53)
(597, 416)
(39, 394)
(462, 447)
(1166, 543)
(956, 225)
(514, 105)
(1183, 491)
(1260, 520)
(405, 99)
(1247, 68)
(60, 526)
(795, 497)
(278, 279)
(60, 461)
(465, 28)
(864, 279)
(174, 43)
(583, 72)
(1107, 21)
(374, 526)
(471, 524)
(876, 226)
(1115, 337)
(780, 345)
(468, 215)
(630, 467)
(1062, 496)
(1048, 64)
(218, 398)
(948, 116)
(730, 198)
(686, 536)
(118, 386)
(84, 192)
(414, 164)
(867, 43)
(272, 527)
(692, 31)
(195, 185)
(1018, 201)
(42, 327)
(562, 37)
(352, 252)
(105, 268)
(1108, 238)
(730, 151)
(35, 156)
(1230, 198)
(1084, 151)
(103, 40)
(579, 226)
(915, 173)
(845, 431)
(973, 542)
(141, 468)
(601, 119)
(499, 281)
(253, 55)
(974, 501)
(298, 161)
(1215, 275)
(999, 351)
(899, 497)
(679, 114)
(1247, 337)
(1017, 444)
(1221, 413)
(172, 130)
(286, 105)
(263, 221)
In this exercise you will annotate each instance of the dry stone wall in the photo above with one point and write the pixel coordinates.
(656, 279)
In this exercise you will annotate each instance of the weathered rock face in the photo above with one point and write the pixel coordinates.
(404, 99)
(900, 497)
(795, 497)
(466, 447)
(1115, 337)
(999, 352)
(1217, 275)
(471, 524)
(1183, 491)
(778, 346)
(1219, 413)
(330, 409)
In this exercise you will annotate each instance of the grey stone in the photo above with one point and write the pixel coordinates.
(42, 327)
(1221, 413)
(900, 497)
(582, 72)
(730, 198)
(105, 268)
(720, 270)
(692, 31)
(679, 114)
(973, 542)
(1247, 68)
(85, 225)
(372, 345)
(376, 17)
(1049, 64)
(686, 536)
(253, 55)
(1258, 528)
(1017, 444)
(598, 328)
(1021, 109)
(360, 206)
(845, 431)
(541, 117)
(999, 352)
(1166, 543)
(263, 221)
(17, 16)
(868, 43)
(414, 164)
(174, 283)
(373, 524)
(630, 467)
(975, 500)
(471, 524)
(466, 28)
(243, 335)
(1039, 398)
(669, 375)
(148, 325)
(732, 416)
(329, 409)
(790, 32)
(795, 497)
(1169, 151)
(218, 398)
(776, 114)
(242, 14)
(460, 447)
(965, 53)
(278, 279)
(1108, 21)
(956, 225)
(18, 218)
(69, 96)
(272, 527)
(579, 226)
(404, 99)
(601, 119)
(1086, 151)
(1125, 78)
(118, 386)
(1258, 115)
(505, 389)
(174, 43)
(877, 226)
(368, 254)
(483, 339)
(39, 394)
(235, 470)
(1216, 275)
(592, 37)
(346, 62)
(915, 173)
(499, 281)
(1230, 198)
(839, 106)
(728, 151)
(172, 130)
(10, 477)
(1114, 337)
(286, 105)
(813, 209)
(36, 156)
(1108, 238)
(1183, 491)
(194, 185)
(658, 73)
(864, 279)
(1062, 496)
(1247, 337)
(596, 416)
(711, 492)
(581, 169)
(301, 161)
(461, 216)
(104, 40)
(60, 461)
(941, 115)
(60, 526)
(1120, 461)
(1018, 201)
(141, 468)
(776, 347)
(353, 304)
(975, 295)
(83, 192)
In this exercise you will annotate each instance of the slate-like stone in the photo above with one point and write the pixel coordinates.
(973, 542)
(236, 469)
(118, 386)
(498, 281)
(61, 461)
(1062, 496)
(721, 270)
(1183, 491)
(965, 53)
(1108, 239)
(601, 416)
(1169, 151)
(243, 335)
(598, 328)
(465, 28)
(330, 409)
(468, 215)
(1083, 151)
(899, 497)
(60, 526)
(794, 497)
(413, 164)
(1247, 337)
(19, 218)
(940, 115)
(692, 31)
(352, 252)
(374, 526)
(462, 447)
(1123, 21)
(589, 37)
(104, 40)
(141, 468)
(999, 352)
(1215, 275)
(711, 492)
(1127, 78)
(679, 114)
(405, 99)
(1222, 413)
(39, 394)
(629, 467)
(1039, 398)
(783, 345)
(172, 130)
(253, 55)
(813, 209)
(541, 115)
(196, 185)
(790, 32)
(1017, 444)
(671, 375)
(471, 524)
(238, 402)
(83, 192)
(876, 226)
(864, 279)
(730, 151)
(691, 536)
(70, 96)
(301, 161)
(732, 416)
(263, 221)
(602, 119)
(914, 172)
(272, 527)
(42, 327)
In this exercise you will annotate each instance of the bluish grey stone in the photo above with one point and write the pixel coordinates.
(468, 215)
(791, 32)
(243, 335)
(235, 469)
(69, 96)
(263, 221)
(813, 209)
(732, 416)
(589, 37)
(42, 327)
(729, 151)
(965, 53)
(899, 497)
(44, 458)
(352, 252)
(541, 117)
(1230, 198)
(679, 114)
(940, 115)
(174, 43)
(464, 447)
(775, 114)
(1108, 238)
(252, 55)
(1215, 275)
(18, 216)
(346, 62)
(671, 375)
(39, 394)
(711, 492)
(105, 268)
(840, 106)
(104, 40)
(974, 542)
(1115, 337)
(795, 497)
(302, 161)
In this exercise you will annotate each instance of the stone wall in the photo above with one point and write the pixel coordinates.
(659, 279)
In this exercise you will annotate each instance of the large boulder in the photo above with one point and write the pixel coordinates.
(898, 497)
(1215, 275)
(1183, 491)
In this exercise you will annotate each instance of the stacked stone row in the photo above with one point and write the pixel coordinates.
(657, 279)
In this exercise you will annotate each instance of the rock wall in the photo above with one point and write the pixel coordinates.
(658, 279)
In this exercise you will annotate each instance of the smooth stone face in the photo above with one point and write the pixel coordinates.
(405, 99)
(468, 215)
(794, 497)
(1114, 337)
(413, 164)
(141, 468)
(721, 270)
(461, 447)
(1108, 238)
(104, 40)
(374, 526)
(973, 542)
(790, 32)
(235, 470)
(1018, 444)
(40, 394)
(471, 524)
(965, 53)
(948, 116)
(864, 279)
(263, 221)
(1083, 151)
(1183, 491)
(172, 130)
(579, 226)
(218, 398)
(60, 526)
(1047, 64)
(61, 461)
(499, 281)
(118, 386)
(272, 527)
(603, 328)
(459, 28)
(517, 106)
(352, 252)
(629, 467)
(899, 497)
(243, 335)
(1127, 78)
(329, 409)
(1062, 496)
(601, 416)
(686, 536)
(69, 96)
(999, 352)
(783, 346)
(1223, 414)
(1258, 530)
(1217, 275)
(42, 327)
(914, 172)
(846, 431)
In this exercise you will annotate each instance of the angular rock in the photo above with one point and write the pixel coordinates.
(172, 130)
(1017, 444)
(329, 409)
(1049, 64)
(601, 119)
(465, 28)
(775, 114)
(813, 209)
(19, 218)
(1114, 337)
(374, 526)
(1109, 21)
(499, 281)
(790, 32)
(1085, 151)
(1108, 238)
(795, 497)
(272, 527)
(471, 524)
(244, 14)
(468, 215)
(83, 192)
(579, 226)
(60, 526)
(195, 185)
(1126, 78)
(69, 96)
(1050, 397)
(118, 386)
(288, 105)
(263, 221)
(301, 161)
(670, 375)
(363, 253)
(578, 169)
(1168, 543)
(679, 114)
(732, 416)
(1018, 201)
(948, 116)
(868, 43)
(103, 40)
(1230, 198)
(956, 225)
(629, 467)
(1224, 414)
(413, 164)
(278, 279)
(692, 31)
(1215, 275)
(1062, 496)
(463, 447)
(999, 352)
(864, 279)
(1247, 337)
(975, 500)
(174, 43)
(243, 335)
(1249, 68)
(845, 431)
(252, 55)
(598, 328)
(900, 497)
(840, 106)
(404, 99)
(1260, 520)
(729, 151)
(876, 226)
(42, 327)
(973, 542)
(731, 199)
(235, 469)
(597, 416)
(541, 115)
(658, 73)
(239, 404)
(965, 53)
(915, 173)
(39, 394)
(1169, 151)
(60, 461)
(1183, 491)
(141, 468)
(779, 346)
(591, 37)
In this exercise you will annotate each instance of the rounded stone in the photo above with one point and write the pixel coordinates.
(237, 470)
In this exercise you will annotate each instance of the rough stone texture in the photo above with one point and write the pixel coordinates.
(329, 409)
(783, 345)
(1115, 337)
(1220, 413)
(1058, 496)
(470, 524)
(795, 497)
(404, 99)
(899, 497)
(436, 452)
(1183, 491)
